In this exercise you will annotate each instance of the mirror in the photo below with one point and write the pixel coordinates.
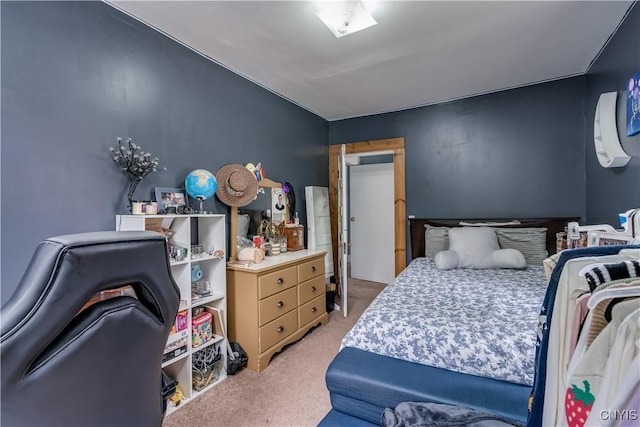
(266, 202)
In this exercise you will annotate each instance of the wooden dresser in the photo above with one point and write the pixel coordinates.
(275, 303)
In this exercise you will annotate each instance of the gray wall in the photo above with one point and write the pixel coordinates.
(76, 75)
(508, 154)
(614, 190)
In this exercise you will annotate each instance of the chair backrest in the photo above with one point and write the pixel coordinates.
(65, 365)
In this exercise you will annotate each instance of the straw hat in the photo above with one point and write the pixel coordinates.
(237, 185)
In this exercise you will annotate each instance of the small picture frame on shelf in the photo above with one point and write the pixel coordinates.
(171, 200)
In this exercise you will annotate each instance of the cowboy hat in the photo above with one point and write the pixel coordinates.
(237, 185)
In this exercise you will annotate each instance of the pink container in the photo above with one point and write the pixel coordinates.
(201, 330)
(181, 321)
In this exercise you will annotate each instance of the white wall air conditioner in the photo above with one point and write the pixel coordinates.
(605, 133)
(319, 225)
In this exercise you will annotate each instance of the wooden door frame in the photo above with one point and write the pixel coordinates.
(400, 209)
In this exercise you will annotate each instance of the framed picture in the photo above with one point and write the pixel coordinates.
(170, 198)
(278, 205)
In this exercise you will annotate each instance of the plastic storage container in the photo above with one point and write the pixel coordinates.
(201, 329)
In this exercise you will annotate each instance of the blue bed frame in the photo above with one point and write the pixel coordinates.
(362, 384)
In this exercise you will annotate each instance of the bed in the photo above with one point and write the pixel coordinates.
(461, 337)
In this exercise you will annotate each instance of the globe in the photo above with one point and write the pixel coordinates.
(201, 184)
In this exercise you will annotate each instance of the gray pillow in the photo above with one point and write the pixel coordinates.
(243, 225)
(532, 242)
(474, 245)
(436, 240)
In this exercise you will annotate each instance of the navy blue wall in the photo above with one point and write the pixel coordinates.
(508, 154)
(76, 75)
(614, 190)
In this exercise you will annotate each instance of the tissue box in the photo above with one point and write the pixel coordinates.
(201, 330)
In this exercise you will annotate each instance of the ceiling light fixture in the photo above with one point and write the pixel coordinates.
(345, 17)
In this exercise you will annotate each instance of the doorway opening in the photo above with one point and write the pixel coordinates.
(395, 147)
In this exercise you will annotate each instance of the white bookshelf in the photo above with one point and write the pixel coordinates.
(208, 230)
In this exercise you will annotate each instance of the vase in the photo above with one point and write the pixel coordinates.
(132, 189)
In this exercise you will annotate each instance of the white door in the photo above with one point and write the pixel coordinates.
(343, 224)
(371, 229)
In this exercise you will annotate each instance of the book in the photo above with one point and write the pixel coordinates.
(172, 354)
(173, 344)
(217, 321)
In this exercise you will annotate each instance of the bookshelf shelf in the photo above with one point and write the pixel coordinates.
(181, 230)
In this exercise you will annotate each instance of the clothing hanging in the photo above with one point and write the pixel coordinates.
(537, 398)
(591, 381)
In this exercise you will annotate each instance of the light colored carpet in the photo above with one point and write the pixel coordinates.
(292, 390)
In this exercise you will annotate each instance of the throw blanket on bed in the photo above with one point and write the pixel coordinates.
(479, 322)
(421, 414)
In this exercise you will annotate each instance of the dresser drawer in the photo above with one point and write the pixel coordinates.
(311, 269)
(276, 305)
(310, 289)
(277, 330)
(277, 281)
(311, 310)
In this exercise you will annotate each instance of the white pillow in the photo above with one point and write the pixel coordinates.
(446, 260)
(490, 224)
(502, 258)
(508, 258)
(474, 245)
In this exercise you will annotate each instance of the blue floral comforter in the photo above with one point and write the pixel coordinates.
(479, 322)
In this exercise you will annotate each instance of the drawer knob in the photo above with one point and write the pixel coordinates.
(313, 289)
(313, 310)
(313, 268)
(280, 329)
(280, 304)
(280, 281)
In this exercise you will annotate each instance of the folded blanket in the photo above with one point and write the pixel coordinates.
(422, 414)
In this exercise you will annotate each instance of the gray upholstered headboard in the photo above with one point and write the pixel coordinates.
(553, 225)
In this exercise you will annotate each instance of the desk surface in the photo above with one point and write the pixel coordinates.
(277, 261)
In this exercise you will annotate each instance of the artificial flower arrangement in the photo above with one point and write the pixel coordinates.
(134, 162)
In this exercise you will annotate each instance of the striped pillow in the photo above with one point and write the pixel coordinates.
(532, 242)
(436, 239)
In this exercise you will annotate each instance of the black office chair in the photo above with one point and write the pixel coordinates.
(66, 365)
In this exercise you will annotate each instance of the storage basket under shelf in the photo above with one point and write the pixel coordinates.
(206, 367)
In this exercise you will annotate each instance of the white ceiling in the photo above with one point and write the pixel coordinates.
(420, 53)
